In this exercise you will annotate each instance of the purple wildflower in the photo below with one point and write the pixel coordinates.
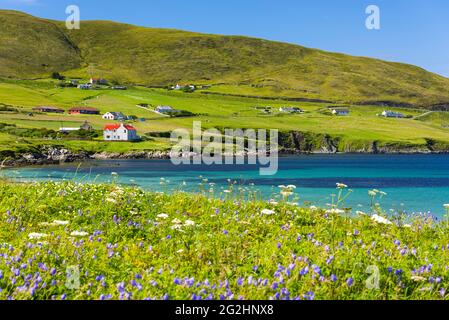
(350, 282)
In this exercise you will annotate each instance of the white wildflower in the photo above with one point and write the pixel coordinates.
(79, 234)
(111, 200)
(313, 208)
(189, 223)
(381, 220)
(361, 213)
(60, 223)
(162, 216)
(36, 236)
(268, 212)
(286, 193)
(418, 279)
(176, 221)
(335, 211)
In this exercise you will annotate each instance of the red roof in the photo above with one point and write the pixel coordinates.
(110, 127)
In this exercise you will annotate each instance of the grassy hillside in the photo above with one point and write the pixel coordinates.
(31, 46)
(246, 66)
(131, 244)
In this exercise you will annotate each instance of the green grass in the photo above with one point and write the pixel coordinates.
(230, 249)
(34, 48)
(356, 132)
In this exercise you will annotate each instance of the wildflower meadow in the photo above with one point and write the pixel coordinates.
(66, 240)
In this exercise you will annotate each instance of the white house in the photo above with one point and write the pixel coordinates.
(391, 114)
(290, 110)
(340, 112)
(120, 132)
(85, 86)
(114, 116)
(180, 87)
(164, 109)
(98, 81)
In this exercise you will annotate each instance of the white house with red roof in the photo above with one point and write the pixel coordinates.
(120, 132)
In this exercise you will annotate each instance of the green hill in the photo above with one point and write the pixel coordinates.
(32, 47)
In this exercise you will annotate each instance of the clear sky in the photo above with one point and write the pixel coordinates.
(412, 31)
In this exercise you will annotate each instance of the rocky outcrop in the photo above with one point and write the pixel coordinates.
(47, 155)
(132, 155)
(293, 142)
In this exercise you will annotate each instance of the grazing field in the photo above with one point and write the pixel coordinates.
(124, 243)
(362, 127)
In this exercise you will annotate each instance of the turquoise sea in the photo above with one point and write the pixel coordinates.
(414, 183)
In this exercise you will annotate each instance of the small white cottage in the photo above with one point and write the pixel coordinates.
(340, 112)
(391, 114)
(114, 116)
(120, 132)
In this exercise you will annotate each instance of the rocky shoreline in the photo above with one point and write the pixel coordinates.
(56, 156)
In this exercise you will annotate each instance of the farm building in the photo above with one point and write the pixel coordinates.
(120, 132)
(49, 109)
(340, 112)
(85, 86)
(182, 87)
(114, 116)
(290, 110)
(392, 114)
(84, 110)
(165, 109)
(98, 81)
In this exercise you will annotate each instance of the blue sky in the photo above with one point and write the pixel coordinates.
(412, 31)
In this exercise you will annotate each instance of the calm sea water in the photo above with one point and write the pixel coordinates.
(414, 183)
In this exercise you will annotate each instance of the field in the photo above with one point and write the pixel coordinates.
(362, 127)
(59, 243)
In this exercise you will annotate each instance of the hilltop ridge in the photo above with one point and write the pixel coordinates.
(33, 47)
